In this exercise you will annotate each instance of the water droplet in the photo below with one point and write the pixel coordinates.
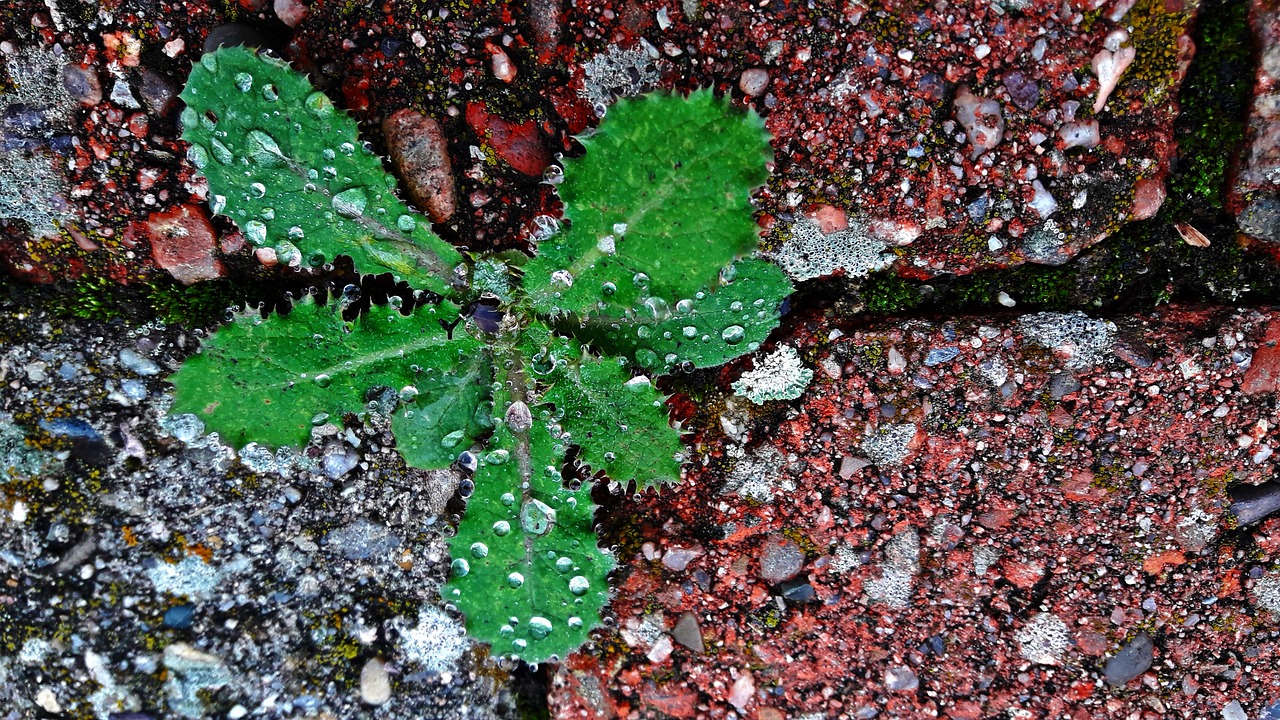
(646, 358)
(641, 280)
(258, 189)
(255, 232)
(479, 549)
(537, 517)
(198, 156)
(268, 214)
(319, 105)
(406, 223)
(519, 645)
(564, 277)
(244, 81)
(221, 152)
(408, 394)
(728, 273)
(347, 149)
(690, 331)
(263, 149)
(579, 585)
(733, 334)
(350, 203)
(515, 580)
(502, 528)
(644, 332)
(607, 245)
(452, 439)
(610, 457)
(506, 630)
(564, 564)
(497, 457)
(544, 226)
(575, 622)
(608, 289)
(684, 306)
(735, 306)
(209, 62)
(460, 567)
(219, 204)
(270, 93)
(323, 380)
(539, 627)
(619, 228)
(508, 499)
(296, 233)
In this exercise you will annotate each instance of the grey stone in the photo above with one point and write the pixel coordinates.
(1132, 660)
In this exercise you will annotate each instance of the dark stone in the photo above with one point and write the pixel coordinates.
(1023, 91)
(157, 91)
(1062, 385)
(688, 633)
(1254, 503)
(233, 34)
(798, 591)
(179, 617)
(1132, 660)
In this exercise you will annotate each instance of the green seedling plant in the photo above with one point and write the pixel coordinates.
(653, 270)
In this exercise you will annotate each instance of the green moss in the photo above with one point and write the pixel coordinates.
(1213, 105)
(884, 293)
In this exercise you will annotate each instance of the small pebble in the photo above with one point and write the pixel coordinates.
(753, 81)
(375, 684)
(1132, 660)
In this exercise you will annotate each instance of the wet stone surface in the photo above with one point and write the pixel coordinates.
(175, 577)
(1063, 549)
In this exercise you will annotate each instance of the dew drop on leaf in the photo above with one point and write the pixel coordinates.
(508, 499)
(323, 380)
(460, 567)
(351, 202)
(198, 156)
(690, 331)
(608, 289)
(502, 528)
(515, 580)
(575, 622)
(255, 232)
(479, 550)
(406, 223)
(579, 585)
(221, 152)
(539, 627)
(733, 334)
(452, 439)
(244, 81)
(318, 104)
(564, 564)
(209, 62)
(270, 93)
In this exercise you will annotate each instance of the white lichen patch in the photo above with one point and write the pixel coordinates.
(810, 253)
(1044, 639)
(901, 564)
(1266, 592)
(889, 444)
(618, 72)
(780, 375)
(758, 476)
(191, 577)
(984, 556)
(1083, 340)
(436, 642)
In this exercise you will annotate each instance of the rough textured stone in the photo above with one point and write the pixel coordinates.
(183, 242)
(420, 154)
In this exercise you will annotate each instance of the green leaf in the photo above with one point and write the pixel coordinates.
(619, 422)
(266, 380)
(708, 330)
(290, 170)
(659, 203)
(527, 572)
